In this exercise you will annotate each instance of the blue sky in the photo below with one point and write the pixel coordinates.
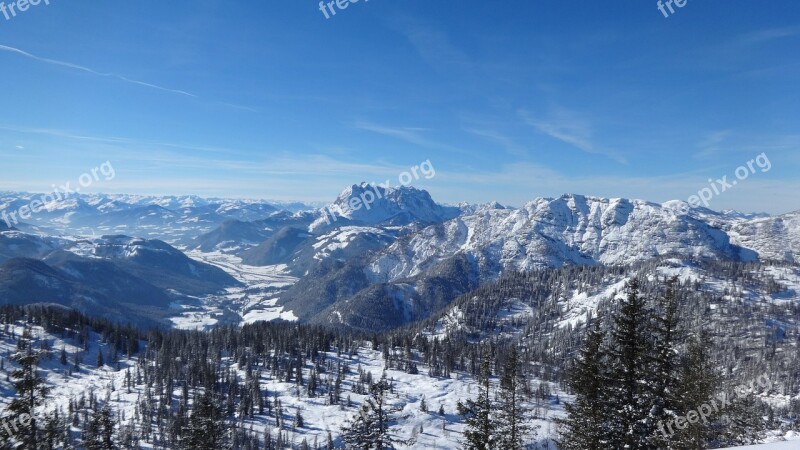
(508, 100)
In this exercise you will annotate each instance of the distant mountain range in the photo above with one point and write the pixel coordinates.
(126, 279)
(374, 258)
(163, 217)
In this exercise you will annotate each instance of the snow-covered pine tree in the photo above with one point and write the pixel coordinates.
(665, 374)
(696, 385)
(369, 430)
(206, 425)
(743, 421)
(511, 426)
(31, 391)
(52, 435)
(477, 414)
(629, 363)
(99, 434)
(586, 424)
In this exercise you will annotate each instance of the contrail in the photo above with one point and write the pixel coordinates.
(93, 72)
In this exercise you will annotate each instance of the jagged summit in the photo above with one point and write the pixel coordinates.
(370, 204)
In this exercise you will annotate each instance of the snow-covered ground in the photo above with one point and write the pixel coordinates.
(256, 301)
(427, 430)
(792, 444)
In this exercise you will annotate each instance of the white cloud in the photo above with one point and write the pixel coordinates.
(568, 127)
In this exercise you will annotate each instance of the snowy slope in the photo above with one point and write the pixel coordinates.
(443, 432)
(368, 204)
(255, 300)
(794, 444)
(570, 229)
(574, 303)
(165, 217)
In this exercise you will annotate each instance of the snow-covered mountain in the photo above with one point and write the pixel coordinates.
(367, 204)
(487, 274)
(572, 229)
(395, 255)
(16, 244)
(172, 218)
(776, 238)
(128, 279)
(424, 269)
(364, 218)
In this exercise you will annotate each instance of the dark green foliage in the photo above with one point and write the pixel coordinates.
(31, 392)
(369, 429)
(477, 415)
(631, 389)
(586, 425)
(629, 357)
(99, 432)
(511, 426)
(206, 428)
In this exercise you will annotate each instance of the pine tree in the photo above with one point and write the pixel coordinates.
(369, 430)
(206, 428)
(696, 386)
(586, 427)
(52, 432)
(477, 414)
(665, 371)
(743, 421)
(512, 428)
(31, 391)
(100, 431)
(629, 363)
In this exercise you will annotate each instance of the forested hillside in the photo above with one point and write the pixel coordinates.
(496, 369)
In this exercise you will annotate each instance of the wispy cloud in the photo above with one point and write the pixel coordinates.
(499, 138)
(243, 108)
(435, 47)
(76, 136)
(711, 144)
(411, 135)
(568, 127)
(408, 134)
(573, 132)
(737, 53)
(170, 154)
(762, 36)
(729, 147)
(92, 71)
